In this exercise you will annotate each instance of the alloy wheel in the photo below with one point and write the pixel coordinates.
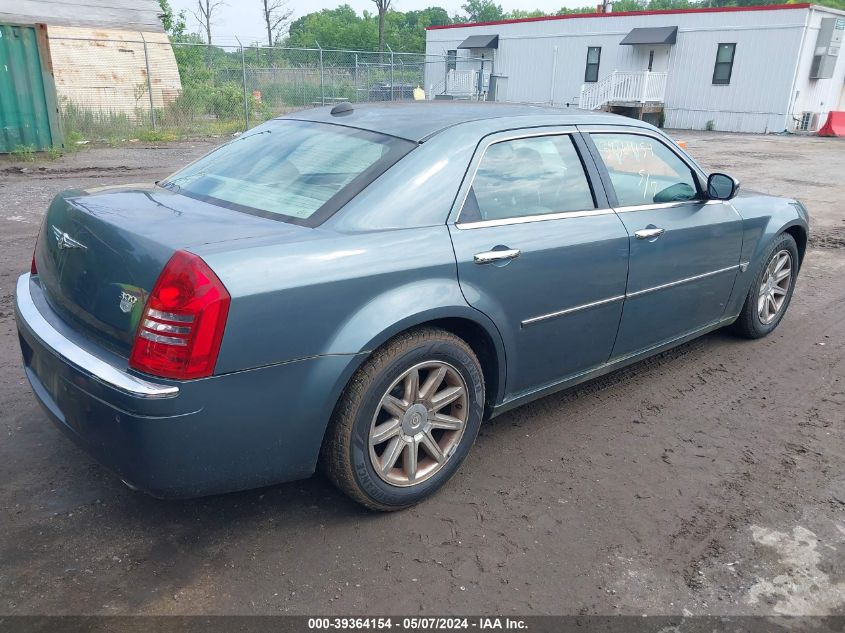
(774, 287)
(418, 423)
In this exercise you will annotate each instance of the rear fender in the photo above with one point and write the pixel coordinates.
(409, 306)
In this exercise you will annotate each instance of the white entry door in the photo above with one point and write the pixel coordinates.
(653, 57)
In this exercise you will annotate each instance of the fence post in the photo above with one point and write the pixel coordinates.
(392, 83)
(149, 83)
(322, 77)
(243, 77)
(356, 77)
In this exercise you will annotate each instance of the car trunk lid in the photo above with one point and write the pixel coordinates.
(100, 252)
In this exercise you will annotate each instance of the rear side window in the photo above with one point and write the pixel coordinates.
(528, 176)
(644, 171)
(296, 171)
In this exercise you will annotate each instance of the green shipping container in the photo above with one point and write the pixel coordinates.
(27, 93)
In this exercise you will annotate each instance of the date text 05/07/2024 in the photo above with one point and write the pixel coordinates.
(416, 623)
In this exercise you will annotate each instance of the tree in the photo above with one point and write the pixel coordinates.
(483, 11)
(277, 16)
(383, 7)
(334, 28)
(521, 14)
(173, 23)
(205, 15)
(343, 28)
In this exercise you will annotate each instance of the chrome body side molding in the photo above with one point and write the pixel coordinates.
(630, 295)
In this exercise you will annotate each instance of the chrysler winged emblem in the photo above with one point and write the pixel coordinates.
(65, 241)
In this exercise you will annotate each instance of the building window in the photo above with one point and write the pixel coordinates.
(451, 60)
(724, 64)
(591, 74)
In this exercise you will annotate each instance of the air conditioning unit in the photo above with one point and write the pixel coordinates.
(809, 122)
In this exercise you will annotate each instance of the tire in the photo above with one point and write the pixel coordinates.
(754, 321)
(357, 457)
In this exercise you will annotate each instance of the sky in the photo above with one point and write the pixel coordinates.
(242, 18)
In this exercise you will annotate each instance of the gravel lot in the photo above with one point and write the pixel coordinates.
(707, 480)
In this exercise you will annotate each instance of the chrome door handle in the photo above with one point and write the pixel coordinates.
(488, 257)
(648, 234)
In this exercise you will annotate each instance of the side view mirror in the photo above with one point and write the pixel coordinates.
(721, 187)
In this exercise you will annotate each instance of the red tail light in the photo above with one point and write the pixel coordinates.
(182, 326)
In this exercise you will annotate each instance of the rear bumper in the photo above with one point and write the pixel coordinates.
(178, 439)
(86, 363)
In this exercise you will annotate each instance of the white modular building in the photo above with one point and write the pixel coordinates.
(742, 69)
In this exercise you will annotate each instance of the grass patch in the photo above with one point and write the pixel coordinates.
(23, 153)
(158, 136)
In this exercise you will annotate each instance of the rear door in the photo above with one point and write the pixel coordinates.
(541, 254)
(685, 249)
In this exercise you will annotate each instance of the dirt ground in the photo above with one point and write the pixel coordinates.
(707, 480)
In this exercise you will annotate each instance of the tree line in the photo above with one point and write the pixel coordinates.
(401, 31)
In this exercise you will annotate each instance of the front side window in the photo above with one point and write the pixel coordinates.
(645, 171)
(724, 64)
(451, 60)
(296, 171)
(591, 74)
(528, 176)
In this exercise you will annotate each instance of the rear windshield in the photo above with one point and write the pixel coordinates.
(297, 171)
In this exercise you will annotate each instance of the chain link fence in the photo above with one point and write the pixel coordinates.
(156, 90)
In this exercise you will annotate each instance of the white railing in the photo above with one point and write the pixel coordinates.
(460, 83)
(624, 86)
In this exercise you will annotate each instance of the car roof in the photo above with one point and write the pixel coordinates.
(419, 120)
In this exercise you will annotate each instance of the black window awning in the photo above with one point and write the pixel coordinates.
(480, 41)
(655, 35)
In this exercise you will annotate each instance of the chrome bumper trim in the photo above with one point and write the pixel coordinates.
(80, 359)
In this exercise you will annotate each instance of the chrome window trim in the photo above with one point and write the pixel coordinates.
(475, 224)
(627, 295)
(560, 313)
(481, 224)
(82, 360)
(665, 205)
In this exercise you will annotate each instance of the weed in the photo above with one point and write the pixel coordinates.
(23, 153)
(158, 136)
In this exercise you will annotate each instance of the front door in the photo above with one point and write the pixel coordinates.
(541, 254)
(685, 249)
(654, 57)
